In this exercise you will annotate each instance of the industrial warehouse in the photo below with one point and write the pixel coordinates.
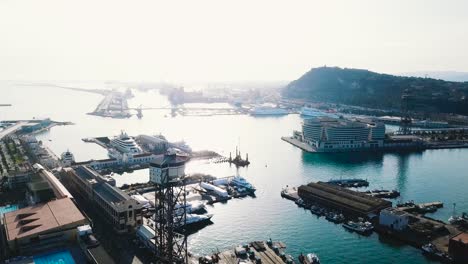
(348, 201)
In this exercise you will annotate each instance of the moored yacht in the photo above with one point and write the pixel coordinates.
(359, 227)
(265, 110)
(242, 182)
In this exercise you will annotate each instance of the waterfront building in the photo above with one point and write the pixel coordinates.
(394, 219)
(42, 226)
(458, 248)
(119, 160)
(337, 134)
(118, 208)
(41, 185)
(156, 144)
(170, 165)
(348, 201)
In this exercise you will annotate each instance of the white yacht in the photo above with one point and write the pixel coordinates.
(265, 110)
(242, 182)
(314, 112)
(193, 219)
(125, 144)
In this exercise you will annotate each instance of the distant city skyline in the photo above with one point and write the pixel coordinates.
(209, 41)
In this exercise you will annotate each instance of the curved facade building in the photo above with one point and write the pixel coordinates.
(337, 134)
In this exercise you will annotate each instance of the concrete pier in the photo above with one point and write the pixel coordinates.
(299, 144)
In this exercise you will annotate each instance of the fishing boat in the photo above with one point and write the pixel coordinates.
(431, 250)
(335, 217)
(362, 228)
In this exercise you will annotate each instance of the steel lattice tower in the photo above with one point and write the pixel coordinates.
(406, 120)
(171, 212)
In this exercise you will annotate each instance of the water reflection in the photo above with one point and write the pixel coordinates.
(350, 159)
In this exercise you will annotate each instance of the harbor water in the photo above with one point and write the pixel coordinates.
(431, 175)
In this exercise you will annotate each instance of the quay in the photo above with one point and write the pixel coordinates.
(297, 143)
(345, 200)
(290, 193)
(267, 252)
(420, 208)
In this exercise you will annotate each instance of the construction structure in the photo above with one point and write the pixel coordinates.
(347, 201)
(406, 120)
(167, 173)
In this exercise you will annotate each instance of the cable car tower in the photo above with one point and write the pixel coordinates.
(406, 120)
(168, 173)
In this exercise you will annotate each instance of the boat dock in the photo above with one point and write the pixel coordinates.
(290, 193)
(347, 183)
(299, 144)
(264, 252)
(421, 208)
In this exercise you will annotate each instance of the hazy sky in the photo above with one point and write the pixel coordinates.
(220, 40)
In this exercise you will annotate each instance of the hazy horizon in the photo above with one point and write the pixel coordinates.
(214, 41)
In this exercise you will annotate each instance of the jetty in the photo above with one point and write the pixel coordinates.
(290, 193)
(346, 183)
(267, 252)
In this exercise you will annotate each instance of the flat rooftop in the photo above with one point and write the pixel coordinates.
(165, 161)
(84, 173)
(41, 218)
(342, 197)
(111, 193)
(463, 237)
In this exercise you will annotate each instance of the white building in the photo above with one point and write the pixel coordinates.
(119, 209)
(168, 168)
(394, 218)
(337, 134)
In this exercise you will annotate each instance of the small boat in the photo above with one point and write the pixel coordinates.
(431, 250)
(315, 209)
(194, 219)
(300, 202)
(310, 258)
(362, 228)
(349, 183)
(335, 217)
(406, 204)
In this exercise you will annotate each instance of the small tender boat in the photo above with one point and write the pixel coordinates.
(310, 258)
(362, 228)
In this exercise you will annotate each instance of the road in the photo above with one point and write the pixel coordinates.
(12, 129)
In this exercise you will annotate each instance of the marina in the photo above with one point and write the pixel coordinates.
(386, 171)
(268, 252)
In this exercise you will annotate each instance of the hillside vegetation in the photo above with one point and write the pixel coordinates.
(382, 91)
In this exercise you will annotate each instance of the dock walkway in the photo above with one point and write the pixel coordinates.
(299, 144)
(260, 249)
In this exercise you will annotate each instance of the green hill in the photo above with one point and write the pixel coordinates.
(382, 91)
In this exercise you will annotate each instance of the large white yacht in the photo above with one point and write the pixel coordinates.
(266, 110)
(125, 144)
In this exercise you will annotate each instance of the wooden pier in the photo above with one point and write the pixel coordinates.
(249, 254)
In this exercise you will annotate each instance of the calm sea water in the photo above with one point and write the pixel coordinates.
(434, 175)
